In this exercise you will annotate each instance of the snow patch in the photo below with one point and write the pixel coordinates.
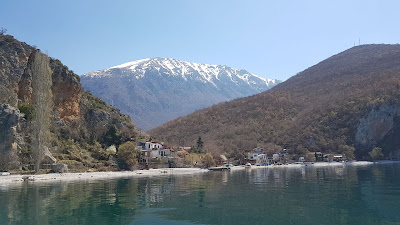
(204, 73)
(130, 65)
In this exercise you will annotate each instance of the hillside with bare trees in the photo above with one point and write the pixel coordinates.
(350, 100)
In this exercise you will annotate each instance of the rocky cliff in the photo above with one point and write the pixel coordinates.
(82, 126)
(380, 127)
(9, 119)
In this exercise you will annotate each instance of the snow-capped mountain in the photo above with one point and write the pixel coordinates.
(155, 90)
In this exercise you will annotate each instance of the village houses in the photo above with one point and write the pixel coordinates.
(154, 150)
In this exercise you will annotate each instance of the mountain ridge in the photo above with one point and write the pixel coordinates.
(172, 64)
(155, 90)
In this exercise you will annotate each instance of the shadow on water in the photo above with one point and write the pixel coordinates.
(328, 195)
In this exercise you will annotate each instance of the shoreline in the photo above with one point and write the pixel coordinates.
(90, 176)
(315, 164)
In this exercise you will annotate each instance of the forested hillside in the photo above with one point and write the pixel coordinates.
(350, 100)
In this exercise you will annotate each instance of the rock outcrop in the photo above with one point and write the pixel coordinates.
(67, 91)
(9, 119)
(377, 125)
(60, 168)
(77, 117)
(380, 128)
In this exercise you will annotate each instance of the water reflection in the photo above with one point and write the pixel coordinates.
(300, 195)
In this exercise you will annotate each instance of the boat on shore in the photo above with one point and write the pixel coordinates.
(219, 168)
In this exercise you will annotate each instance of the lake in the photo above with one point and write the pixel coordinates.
(303, 195)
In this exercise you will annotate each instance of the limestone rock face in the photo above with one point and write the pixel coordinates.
(67, 92)
(14, 56)
(9, 118)
(378, 125)
(16, 79)
(76, 115)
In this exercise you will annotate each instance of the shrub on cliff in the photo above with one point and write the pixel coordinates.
(112, 136)
(28, 110)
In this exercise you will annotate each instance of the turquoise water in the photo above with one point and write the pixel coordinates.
(329, 195)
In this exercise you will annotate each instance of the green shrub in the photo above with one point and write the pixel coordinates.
(95, 102)
(28, 110)
(127, 155)
(348, 151)
(96, 150)
(158, 160)
(376, 154)
(208, 160)
(112, 136)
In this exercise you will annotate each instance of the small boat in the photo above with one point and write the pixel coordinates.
(247, 165)
(221, 168)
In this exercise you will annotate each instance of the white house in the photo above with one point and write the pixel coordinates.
(159, 153)
(155, 145)
(164, 153)
(338, 158)
(262, 159)
(252, 156)
(148, 145)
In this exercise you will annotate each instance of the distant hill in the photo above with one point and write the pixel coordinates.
(156, 90)
(351, 99)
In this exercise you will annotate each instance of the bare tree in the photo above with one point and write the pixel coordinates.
(3, 30)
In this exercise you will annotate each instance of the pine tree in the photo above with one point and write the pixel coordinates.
(200, 144)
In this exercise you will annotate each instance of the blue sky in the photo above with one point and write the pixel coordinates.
(271, 38)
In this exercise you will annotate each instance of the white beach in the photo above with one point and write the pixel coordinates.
(70, 177)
